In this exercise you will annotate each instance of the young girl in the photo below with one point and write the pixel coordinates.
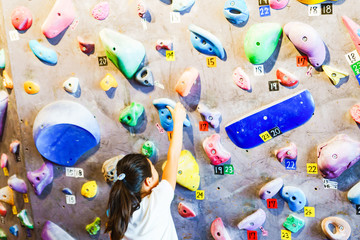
(139, 204)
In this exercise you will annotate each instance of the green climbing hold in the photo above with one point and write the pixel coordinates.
(94, 227)
(148, 149)
(293, 224)
(25, 219)
(3, 234)
(261, 41)
(131, 114)
(126, 53)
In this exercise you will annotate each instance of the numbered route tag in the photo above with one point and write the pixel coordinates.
(264, 11)
(314, 10)
(252, 235)
(74, 172)
(274, 86)
(263, 2)
(330, 184)
(74, 24)
(170, 134)
(158, 126)
(175, 17)
(200, 194)
(6, 172)
(301, 61)
(271, 203)
(229, 169)
(14, 210)
(14, 35)
(170, 56)
(2, 220)
(203, 126)
(285, 235)
(102, 61)
(312, 168)
(352, 57)
(26, 198)
(265, 136)
(290, 164)
(309, 211)
(70, 199)
(219, 170)
(211, 62)
(259, 70)
(356, 69)
(79, 173)
(326, 8)
(357, 209)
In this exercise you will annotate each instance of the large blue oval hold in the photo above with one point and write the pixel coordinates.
(64, 130)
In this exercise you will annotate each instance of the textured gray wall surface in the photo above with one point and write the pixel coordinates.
(231, 197)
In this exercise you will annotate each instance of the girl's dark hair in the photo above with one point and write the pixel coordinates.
(125, 196)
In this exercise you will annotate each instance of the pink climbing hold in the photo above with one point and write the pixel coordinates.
(4, 160)
(14, 146)
(241, 79)
(186, 81)
(185, 211)
(2, 210)
(286, 78)
(355, 113)
(289, 152)
(86, 47)
(218, 230)
(163, 44)
(141, 9)
(60, 17)
(101, 10)
(215, 151)
(278, 4)
(21, 18)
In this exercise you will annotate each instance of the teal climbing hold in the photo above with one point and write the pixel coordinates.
(2, 58)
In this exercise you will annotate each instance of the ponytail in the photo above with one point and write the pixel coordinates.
(125, 194)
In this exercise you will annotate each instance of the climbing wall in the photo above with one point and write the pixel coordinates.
(231, 197)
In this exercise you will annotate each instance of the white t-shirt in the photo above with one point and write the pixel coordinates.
(153, 220)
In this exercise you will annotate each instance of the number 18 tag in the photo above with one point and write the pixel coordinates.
(314, 10)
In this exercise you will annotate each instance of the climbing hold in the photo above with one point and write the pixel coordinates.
(188, 171)
(67, 191)
(41, 177)
(236, 11)
(307, 40)
(131, 114)
(14, 146)
(148, 149)
(60, 17)
(3, 108)
(14, 230)
(311, 2)
(145, 77)
(25, 219)
(181, 5)
(335, 75)
(353, 29)
(109, 168)
(64, 130)
(340, 228)
(278, 4)
(51, 231)
(185, 211)
(7, 81)
(17, 184)
(294, 196)
(205, 42)
(21, 18)
(43, 53)
(7, 195)
(31, 87)
(166, 120)
(246, 132)
(71, 85)
(241, 79)
(126, 53)
(355, 113)
(164, 44)
(253, 221)
(293, 223)
(354, 194)
(271, 188)
(94, 227)
(86, 47)
(108, 82)
(261, 41)
(337, 155)
(141, 9)
(211, 116)
(186, 81)
(89, 189)
(101, 11)
(4, 160)
(215, 150)
(2, 59)
(2, 210)
(288, 152)
(286, 78)
(218, 230)
(3, 235)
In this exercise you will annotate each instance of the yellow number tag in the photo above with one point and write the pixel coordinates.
(6, 172)
(312, 168)
(200, 194)
(265, 136)
(170, 56)
(26, 198)
(211, 62)
(309, 211)
(285, 235)
(14, 210)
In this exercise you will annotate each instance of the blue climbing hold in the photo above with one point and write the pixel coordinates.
(43, 53)
(294, 196)
(181, 5)
(14, 230)
(236, 11)
(67, 191)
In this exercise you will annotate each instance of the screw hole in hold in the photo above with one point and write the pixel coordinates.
(316, 189)
(210, 49)
(184, 211)
(304, 38)
(333, 74)
(169, 117)
(265, 117)
(4, 196)
(144, 73)
(268, 192)
(59, 14)
(251, 224)
(293, 198)
(218, 233)
(234, 11)
(196, 37)
(203, 42)
(299, 202)
(63, 206)
(285, 77)
(146, 82)
(179, 172)
(129, 118)
(26, 149)
(37, 179)
(218, 188)
(257, 43)
(114, 48)
(247, 150)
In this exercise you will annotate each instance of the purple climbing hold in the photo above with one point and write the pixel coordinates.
(3, 108)
(17, 184)
(42, 177)
(51, 231)
(253, 221)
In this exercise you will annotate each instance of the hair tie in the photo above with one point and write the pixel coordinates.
(121, 176)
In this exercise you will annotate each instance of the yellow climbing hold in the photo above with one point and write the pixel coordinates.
(7, 195)
(89, 189)
(108, 82)
(335, 75)
(31, 87)
(310, 2)
(188, 171)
